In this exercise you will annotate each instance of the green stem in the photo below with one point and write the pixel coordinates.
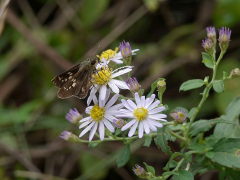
(160, 98)
(205, 92)
(179, 137)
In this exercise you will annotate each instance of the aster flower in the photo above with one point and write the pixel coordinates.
(179, 116)
(133, 84)
(66, 135)
(73, 116)
(145, 115)
(111, 55)
(101, 114)
(104, 78)
(126, 52)
(208, 46)
(224, 38)
(211, 34)
(139, 171)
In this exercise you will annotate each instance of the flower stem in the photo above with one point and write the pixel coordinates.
(179, 137)
(205, 92)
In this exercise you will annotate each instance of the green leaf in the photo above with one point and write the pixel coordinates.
(227, 130)
(117, 132)
(172, 157)
(191, 84)
(161, 140)
(191, 112)
(148, 140)
(218, 86)
(154, 86)
(210, 154)
(207, 60)
(197, 147)
(170, 173)
(227, 152)
(149, 168)
(225, 74)
(183, 175)
(124, 156)
(199, 158)
(203, 126)
(172, 164)
(93, 144)
(232, 175)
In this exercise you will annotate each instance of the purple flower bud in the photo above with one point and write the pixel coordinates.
(207, 44)
(73, 116)
(211, 32)
(139, 171)
(235, 73)
(119, 123)
(125, 49)
(66, 135)
(179, 116)
(224, 35)
(133, 84)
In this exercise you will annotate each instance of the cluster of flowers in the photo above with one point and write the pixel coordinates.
(143, 114)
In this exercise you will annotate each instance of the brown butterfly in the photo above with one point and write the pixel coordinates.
(75, 82)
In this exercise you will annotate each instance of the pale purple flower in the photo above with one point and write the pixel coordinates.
(133, 84)
(207, 43)
(73, 116)
(224, 35)
(65, 135)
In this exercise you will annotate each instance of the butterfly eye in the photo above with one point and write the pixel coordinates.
(93, 62)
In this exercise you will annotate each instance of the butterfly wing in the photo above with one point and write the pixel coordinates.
(61, 79)
(85, 87)
(73, 86)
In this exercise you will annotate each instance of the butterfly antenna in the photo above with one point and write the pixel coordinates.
(96, 50)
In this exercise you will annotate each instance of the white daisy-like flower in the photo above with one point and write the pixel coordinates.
(145, 115)
(101, 114)
(104, 78)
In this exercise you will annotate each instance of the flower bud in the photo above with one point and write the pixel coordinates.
(73, 116)
(161, 86)
(119, 123)
(140, 171)
(179, 116)
(211, 34)
(133, 85)
(69, 136)
(235, 73)
(224, 38)
(126, 52)
(208, 46)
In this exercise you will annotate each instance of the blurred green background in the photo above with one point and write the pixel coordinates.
(42, 38)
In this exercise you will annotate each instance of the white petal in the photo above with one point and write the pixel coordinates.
(125, 111)
(109, 117)
(92, 132)
(84, 124)
(125, 103)
(156, 110)
(101, 130)
(117, 61)
(157, 116)
(150, 100)
(124, 71)
(87, 129)
(146, 127)
(151, 126)
(142, 101)
(155, 123)
(113, 86)
(120, 84)
(116, 107)
(125, 115)
(102, 92)
(88, 109)
(153, 105)
(133, 129)
(85, 119)
(131, 103)
(92, 94)
(140, 130)
(112, 101)
(137, 99)
(135, 50)
(108, 125)
(129, 124)
(107, 96)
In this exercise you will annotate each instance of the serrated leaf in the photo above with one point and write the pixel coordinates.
(161, 140)
(227, 152)
(210, 154)
(154, 86)
(124, 156)
(218, 86)
(201, 126)
(191, 84)
(207, 60)
(183, 175)
(197, 147)
(149, 168)
(191, 112)
(199, 158)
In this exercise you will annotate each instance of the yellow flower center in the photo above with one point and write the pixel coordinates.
(180, 116)
(108, 54)
(103, 76)
(140, 113)
(97, 113)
